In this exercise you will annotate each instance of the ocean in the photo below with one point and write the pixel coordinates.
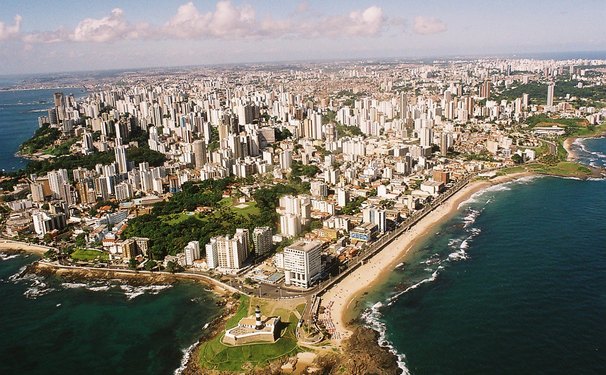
(19, 112)
(50, 326)
(513, 283)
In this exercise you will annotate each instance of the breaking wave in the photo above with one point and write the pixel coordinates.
(372, 316)
(187, 352)
(505, 186)
(4, 256)
(130, 291)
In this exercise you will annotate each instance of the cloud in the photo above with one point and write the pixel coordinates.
(10, 31)
(428, 25)
(102, 30)
(107, 29)
(358, 23)
(302, 7)
(228, 21)
(59, 35)
(368, 22)
(225, 21)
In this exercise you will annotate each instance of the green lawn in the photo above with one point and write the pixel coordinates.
(215, 355)
(301, 308)
(174, 219)
(511, 170)
(240, 313)
(89, 254)
(250, 209)
(564, 168)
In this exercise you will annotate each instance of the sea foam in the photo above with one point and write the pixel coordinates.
(187, 352)
(132, 292)
(4, 256)
(372, 316)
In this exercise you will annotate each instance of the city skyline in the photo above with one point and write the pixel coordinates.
(40, 38)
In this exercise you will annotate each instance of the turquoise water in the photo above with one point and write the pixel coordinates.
(19, 112)
(50, 326)
(524, 291)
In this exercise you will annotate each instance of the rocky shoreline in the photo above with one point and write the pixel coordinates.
(79, 274)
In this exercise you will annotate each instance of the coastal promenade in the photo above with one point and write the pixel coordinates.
(388, 237)
(338, 296)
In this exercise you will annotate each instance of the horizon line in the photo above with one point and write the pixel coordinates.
(511, 55)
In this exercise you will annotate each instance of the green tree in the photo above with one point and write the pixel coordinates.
(81, 240)
(150, 265)
(517, 159)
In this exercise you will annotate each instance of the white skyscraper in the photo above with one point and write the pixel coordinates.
(285, 159)
(192, 252)
(550, 93)
(120, 153)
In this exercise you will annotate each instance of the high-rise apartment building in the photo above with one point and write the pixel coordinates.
(550, 93)
(228, 253)
(262, 240)
(302, 263)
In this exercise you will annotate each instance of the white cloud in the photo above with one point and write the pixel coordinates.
(226, 21)
(302, 7)
(103, 30)
(229, 21)
(10, 31)
(59, 35)
(107, 29)
(368, 22)
(365, 23)
(428, 25)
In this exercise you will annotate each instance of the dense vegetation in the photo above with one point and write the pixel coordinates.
(44, 137)
(172, 224)
(537, 92)
(348, 130)
(192, 195)
(71, 161)
(282, 134)
(353, 206)
(298, 170)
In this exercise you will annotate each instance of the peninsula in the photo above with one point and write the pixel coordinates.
(292, 190)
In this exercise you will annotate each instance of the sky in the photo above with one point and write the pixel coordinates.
(66, 35)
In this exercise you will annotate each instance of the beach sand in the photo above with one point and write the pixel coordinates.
(10, 245)
(341, 300)
(568, 147)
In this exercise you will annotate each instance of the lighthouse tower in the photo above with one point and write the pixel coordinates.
(258, 324)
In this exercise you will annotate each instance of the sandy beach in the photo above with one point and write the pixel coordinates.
(10, 245)
(341, 300)
(568, 147)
